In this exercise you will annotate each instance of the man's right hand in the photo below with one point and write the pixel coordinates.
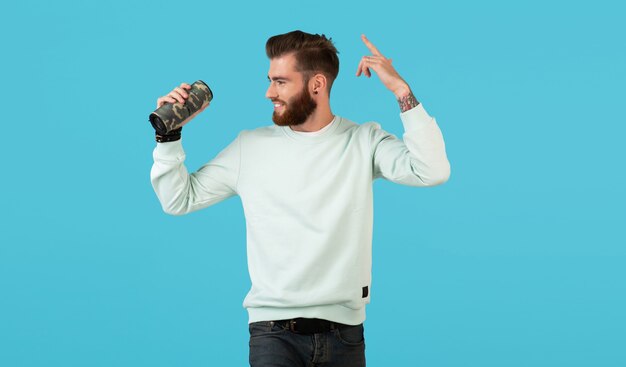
(179, 95)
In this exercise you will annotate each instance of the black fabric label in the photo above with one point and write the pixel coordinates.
(365, 292)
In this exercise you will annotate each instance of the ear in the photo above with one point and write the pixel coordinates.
(318, 84)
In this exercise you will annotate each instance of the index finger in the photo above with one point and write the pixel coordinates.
(371, 46)
(185, 85)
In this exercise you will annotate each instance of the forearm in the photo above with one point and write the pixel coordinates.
(424, 141)
(423, 138)
(170, 178)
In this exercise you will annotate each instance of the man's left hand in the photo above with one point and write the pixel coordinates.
(383, 68)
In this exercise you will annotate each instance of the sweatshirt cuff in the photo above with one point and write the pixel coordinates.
(169, 151)
(415, 118)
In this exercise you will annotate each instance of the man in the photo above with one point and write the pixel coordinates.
(306, 188)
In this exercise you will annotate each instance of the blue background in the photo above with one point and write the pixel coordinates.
(517, 261)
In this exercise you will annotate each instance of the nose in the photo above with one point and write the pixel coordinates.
(271, 92)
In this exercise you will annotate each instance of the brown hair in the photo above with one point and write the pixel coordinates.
(314, 53)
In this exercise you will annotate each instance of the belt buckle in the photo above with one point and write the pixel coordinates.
(310, 326)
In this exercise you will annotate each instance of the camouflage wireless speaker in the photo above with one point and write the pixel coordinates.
(171, 116)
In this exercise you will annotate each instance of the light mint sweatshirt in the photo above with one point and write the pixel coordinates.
(308, 205)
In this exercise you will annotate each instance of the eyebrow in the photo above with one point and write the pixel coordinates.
(277, 78)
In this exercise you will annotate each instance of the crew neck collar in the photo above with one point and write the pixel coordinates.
(313, 136)
(318, 132)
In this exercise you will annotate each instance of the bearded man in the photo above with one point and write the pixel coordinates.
(305, 184)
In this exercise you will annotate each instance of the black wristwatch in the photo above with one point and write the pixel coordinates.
(171, 136)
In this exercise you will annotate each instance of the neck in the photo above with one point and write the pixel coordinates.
(321, 117)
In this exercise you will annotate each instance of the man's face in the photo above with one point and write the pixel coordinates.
(293, 102)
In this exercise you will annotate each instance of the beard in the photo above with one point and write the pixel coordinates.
(297, 110)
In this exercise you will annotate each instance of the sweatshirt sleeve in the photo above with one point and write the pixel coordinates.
(180, 192)
(417, 160)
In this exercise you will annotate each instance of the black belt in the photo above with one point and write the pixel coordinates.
(309, 326)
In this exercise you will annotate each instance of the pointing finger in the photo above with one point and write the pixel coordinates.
(370, 46)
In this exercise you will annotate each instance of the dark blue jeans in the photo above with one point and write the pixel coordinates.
(272, 345)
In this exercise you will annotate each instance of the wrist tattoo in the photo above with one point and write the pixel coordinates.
(407, 102)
